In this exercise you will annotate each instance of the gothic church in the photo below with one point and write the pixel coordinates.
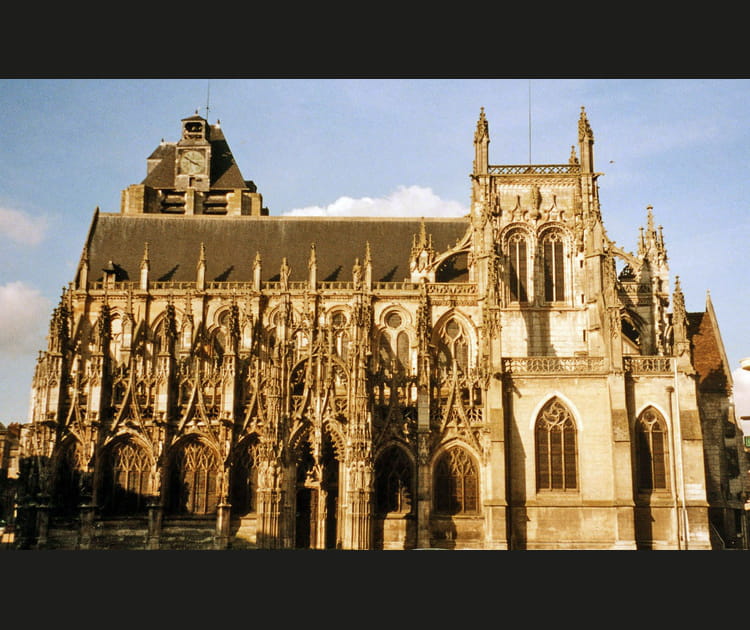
(219, 378)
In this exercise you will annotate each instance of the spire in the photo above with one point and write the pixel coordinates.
(481, 144)
(679, 320)
(651, 241)
(83, 272)
(585, 142)
(313, 267)
(422, 255)
(145, 266)
(368, 266)
(573, 159)
(200, 283)
(257, 266)
(145, 260)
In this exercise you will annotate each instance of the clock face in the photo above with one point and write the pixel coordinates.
(192, 162)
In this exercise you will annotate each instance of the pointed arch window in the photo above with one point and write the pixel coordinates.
(244, 480)
(453, 347)
(68, 478)
(393, 482)
(553, 249)
(194, 487)
(518, 268)
(556, 450)
(126, 486)
(394, 345)
(456, 483)
(652, 451)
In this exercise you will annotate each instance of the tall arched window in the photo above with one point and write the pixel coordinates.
(652, 452)
(126, 485)
(553, 250)
(518, 268)
(556, 453)
(193, 488)
(456, 483)
(393, 482)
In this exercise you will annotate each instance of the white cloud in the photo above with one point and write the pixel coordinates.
(24, 315)
(21, 227)
(406, 201)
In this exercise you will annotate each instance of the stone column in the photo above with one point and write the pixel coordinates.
(223, 521)
(155, 519)
(42, 524)
(423, 468)
(86, 531)
(270, 532)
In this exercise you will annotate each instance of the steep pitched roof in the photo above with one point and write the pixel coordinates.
(709, 355)
(231, 244)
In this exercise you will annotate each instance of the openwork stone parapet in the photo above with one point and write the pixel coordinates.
(649, 365)
(538, 169)
(554, 365)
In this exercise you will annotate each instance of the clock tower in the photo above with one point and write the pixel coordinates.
(193, 155)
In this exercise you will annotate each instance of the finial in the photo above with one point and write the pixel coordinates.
(313, 256)
(573, 158)
(482, 126)
(584, 129)
(203, 253)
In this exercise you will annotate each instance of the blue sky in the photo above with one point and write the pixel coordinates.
(378, 147)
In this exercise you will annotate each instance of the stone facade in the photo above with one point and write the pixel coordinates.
(216, 377)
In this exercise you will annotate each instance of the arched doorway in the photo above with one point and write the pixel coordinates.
(317, 497)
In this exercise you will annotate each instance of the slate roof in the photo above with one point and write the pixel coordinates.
(231, 244)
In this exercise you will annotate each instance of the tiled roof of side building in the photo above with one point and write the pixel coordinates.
(231, 244)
